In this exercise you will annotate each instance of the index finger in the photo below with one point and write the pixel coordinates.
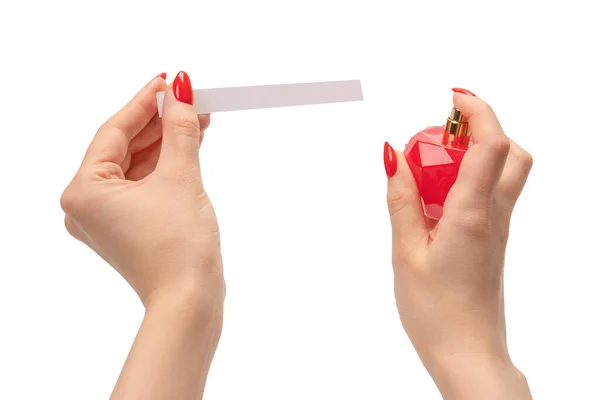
(112, 139)
(484, 161)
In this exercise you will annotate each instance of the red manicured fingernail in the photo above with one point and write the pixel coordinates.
(464, 91)
(162, 75)
(182, 88)
(390, 160)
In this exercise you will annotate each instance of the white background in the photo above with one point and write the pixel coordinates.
(299, 192)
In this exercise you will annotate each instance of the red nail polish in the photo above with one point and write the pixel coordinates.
(162, 75)
(182, 88)
(464, 91)
(390, 160)
(434, 156)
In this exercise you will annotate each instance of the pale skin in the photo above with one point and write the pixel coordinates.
(139, 202)
(449, 275)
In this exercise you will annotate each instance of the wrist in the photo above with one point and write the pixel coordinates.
(174, 348)
(476, 375)
(190, 299)
(197, 312)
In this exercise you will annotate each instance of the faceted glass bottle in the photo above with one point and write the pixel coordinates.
(434, 156)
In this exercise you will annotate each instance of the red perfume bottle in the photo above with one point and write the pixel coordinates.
(434, 156)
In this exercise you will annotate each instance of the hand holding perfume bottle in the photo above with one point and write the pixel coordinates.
(448, 273)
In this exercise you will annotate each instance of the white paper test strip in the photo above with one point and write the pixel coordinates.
(272, 96)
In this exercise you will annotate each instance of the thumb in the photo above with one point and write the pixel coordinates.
(409, 230)
(181, 130)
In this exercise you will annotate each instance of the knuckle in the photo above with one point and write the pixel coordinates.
(69, 200)
(525, 158)
(398, 200)
(186, 125)
(110, 170)
(500, 146)
(74, 201)
(146, 107)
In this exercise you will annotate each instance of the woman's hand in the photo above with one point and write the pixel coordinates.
(138, 201)
(449, 275)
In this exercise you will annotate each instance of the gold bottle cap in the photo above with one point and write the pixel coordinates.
(457, 125)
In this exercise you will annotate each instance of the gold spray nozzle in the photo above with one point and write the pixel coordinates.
(457, 125)
(457, 130)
